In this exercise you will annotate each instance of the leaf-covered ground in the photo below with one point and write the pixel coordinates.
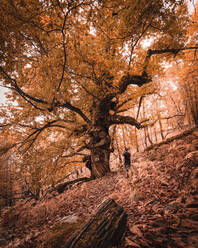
(160, 197)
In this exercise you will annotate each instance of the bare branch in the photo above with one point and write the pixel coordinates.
(5, 149)
(174, 51)
(75, 109)
(64, 53)
(121, 104)
(173, 116)
(124, 110)
(138, 39)
(63, 37)
(118, 119)
(138, 80)
(139, 106)
(33, 136)
(26, 96)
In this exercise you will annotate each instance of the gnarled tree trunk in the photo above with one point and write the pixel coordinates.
(99, 146)
(100, 162)
(102, 119)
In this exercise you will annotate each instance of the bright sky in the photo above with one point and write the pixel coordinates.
(191, 5)
(2, 96)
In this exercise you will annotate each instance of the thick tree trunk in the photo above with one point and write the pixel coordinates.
(100, 162)
(104, 230)
(99, 146)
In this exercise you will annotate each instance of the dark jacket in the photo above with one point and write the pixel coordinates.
(127, 158)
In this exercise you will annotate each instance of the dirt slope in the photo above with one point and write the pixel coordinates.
(160, 197)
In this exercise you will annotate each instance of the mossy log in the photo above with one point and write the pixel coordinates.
(104, 229)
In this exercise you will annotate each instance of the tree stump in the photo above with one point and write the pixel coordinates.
(104, 229)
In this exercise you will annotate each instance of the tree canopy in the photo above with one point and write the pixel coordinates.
(72, 69)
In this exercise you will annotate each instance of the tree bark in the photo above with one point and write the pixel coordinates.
(100, 162)
(104, 230)
(161, 129)
(99, 146)
(61, 187)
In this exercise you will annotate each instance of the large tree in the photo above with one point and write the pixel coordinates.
(74, 66)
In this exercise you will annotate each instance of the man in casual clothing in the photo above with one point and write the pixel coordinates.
(127, 161)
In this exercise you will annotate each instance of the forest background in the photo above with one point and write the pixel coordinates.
(88, 79)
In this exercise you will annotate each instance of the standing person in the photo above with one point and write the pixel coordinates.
(127, 161)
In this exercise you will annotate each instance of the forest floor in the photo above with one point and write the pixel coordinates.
(160, 197)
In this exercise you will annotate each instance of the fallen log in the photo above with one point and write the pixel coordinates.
(60, 188)
(104, 229)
